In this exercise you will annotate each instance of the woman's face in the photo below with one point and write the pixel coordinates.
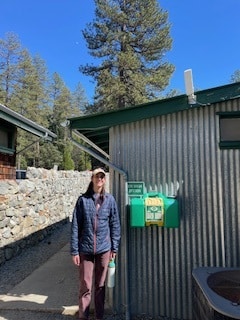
(98, 180)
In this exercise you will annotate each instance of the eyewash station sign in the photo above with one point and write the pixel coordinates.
(151, 208)
(135, 189)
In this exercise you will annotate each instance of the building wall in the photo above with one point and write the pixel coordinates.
(8, 133)
(7, 166)
(176, 154)
(31, 208)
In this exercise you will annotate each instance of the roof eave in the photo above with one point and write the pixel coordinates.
(155, 108)
(21, 122)
(96, 127)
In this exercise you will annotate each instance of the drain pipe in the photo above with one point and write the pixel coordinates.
(124, 174)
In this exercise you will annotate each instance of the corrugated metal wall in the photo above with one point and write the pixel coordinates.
(176, 154)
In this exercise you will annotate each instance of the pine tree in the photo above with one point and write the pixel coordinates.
(61, 105)
(10, 54)
(235, 76)
(130, 38)
(49, 156)
(79, 101)
(61, 110)
(25, 88)
(68, 163)
(44, 109)
(29, 99)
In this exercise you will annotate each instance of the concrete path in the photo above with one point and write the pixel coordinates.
(52, 288)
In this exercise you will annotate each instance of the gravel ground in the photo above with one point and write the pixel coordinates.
(21, 266)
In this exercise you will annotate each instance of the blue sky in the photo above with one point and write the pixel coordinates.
(206, 37)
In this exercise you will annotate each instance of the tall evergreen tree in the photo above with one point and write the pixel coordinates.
(29, 92)
(61, 105)
(79, 101)
(49, 156)
(44, 109)
(29, 99)
(10, 54)
(61, 110)
(82, 160)
(130, 38)
(68, 163)
(25, 88)
(235, 76)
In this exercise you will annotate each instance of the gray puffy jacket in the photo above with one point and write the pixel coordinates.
(95, 231)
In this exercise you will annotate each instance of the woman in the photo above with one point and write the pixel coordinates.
(95, 239)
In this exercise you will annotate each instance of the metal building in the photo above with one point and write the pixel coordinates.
(192, 152)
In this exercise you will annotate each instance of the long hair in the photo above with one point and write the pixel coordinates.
(90, 192)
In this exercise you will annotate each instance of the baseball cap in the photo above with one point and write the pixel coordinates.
(98, 170)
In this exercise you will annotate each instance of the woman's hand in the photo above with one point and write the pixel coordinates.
(112, 255)
(76, 260)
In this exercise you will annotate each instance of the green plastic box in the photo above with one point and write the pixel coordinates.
(171, 217)
(137, 213)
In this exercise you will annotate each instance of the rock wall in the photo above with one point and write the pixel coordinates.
(30, 209)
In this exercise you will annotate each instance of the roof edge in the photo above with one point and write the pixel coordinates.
(25, 124)
(154, 108)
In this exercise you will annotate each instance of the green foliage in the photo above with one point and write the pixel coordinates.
(25, 87)
(68, 163)
(172, 93)
(49, 156)
(21, 162)
(130, 38)
(236, 76)
(10, 54)
(81, 159)
(79, 101)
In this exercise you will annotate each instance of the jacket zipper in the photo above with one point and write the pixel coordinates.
(97, 206)
(95, 234)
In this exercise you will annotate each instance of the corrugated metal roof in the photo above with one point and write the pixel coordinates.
(21, 122)
(96, 127)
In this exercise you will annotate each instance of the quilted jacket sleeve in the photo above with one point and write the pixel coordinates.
(76, 222)
(115, 228)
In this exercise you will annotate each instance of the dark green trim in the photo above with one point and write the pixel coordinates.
(19, 121)
(155, 108)
(229, 145)
(229, 114)
(223, 144)
(95, 127)
(6, 150)
(136, 113)
(10, 130)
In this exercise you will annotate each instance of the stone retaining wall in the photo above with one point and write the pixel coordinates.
(31, 208)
